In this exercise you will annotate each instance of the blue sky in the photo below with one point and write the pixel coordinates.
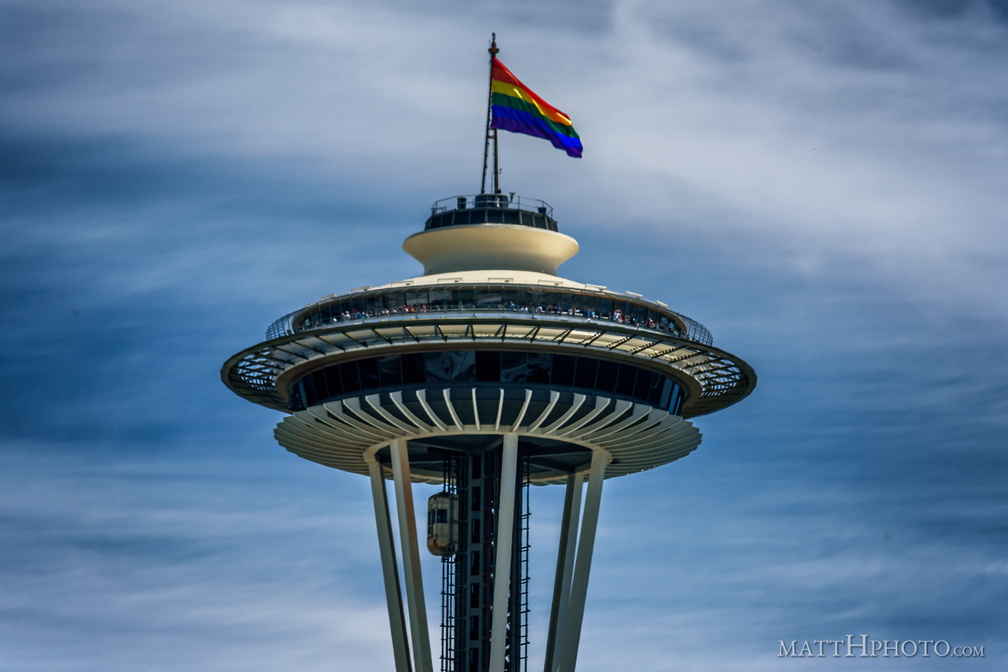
(822, 184)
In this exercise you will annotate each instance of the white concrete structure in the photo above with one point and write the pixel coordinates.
(485, 374)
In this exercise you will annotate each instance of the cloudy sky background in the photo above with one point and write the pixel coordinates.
(822, 184)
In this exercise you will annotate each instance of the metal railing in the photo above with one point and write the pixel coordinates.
(284, 326)
(491, 209)
(509, 201)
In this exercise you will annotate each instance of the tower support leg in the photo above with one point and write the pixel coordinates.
(390, 571)
(411, 556)
(579, 583)
(564, 568)
(502, 564)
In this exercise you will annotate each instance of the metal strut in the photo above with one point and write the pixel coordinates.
(491, 133)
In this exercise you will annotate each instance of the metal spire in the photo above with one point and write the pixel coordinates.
(491, 133)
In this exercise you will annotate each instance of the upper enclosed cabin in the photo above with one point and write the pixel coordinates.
(490, 232)
(491, 209)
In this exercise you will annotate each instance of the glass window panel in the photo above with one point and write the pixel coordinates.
(440, 299)
(446, 367)
(512, 299)
(416, 300)
(655, 391)
(636, 314)
(390, 370)
(513, 367)
(308, 385)
(395, 302)
(556, 303)
(643, 383)
(327, 383)
(563, 370)
(465, 366)
(676, 402)
(625, 379)
(606, 380)
(538, 367)
(351, 377)
(584, 374)
(474, 567)
(413, 369)
(462, 298)
(619, 312)
(666, 393)
(488, 366)
(489, 300)
(576, 304)
(368, 371)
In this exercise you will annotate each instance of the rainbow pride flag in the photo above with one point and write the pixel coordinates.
(515, 107)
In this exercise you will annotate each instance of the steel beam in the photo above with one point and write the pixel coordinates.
(564, 567)
(390, 570)
(582, 567)
(411, 556)
(502, 563)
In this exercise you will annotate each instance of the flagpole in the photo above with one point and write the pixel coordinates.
(491, 133)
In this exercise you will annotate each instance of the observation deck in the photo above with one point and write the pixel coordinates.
(487, 333)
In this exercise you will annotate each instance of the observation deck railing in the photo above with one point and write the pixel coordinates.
(491, 209)
(285, 325)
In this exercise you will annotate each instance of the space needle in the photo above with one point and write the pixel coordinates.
(486, 374)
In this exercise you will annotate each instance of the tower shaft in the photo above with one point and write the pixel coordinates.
(481, 505)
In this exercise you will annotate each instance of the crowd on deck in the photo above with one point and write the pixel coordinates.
(345, 310)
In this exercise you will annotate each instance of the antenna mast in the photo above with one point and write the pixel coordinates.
(491, 133)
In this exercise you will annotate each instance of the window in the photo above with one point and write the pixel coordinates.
(505, 366)
(625, 379)
(350, 375)
(606, 380)
(390, 370)
(413, 369)
(330, 382)
(537, 367)
(563, 370)
(513, 367)
(488, 365)
(584, 374)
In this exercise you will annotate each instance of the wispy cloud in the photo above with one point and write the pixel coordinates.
(822, 184)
